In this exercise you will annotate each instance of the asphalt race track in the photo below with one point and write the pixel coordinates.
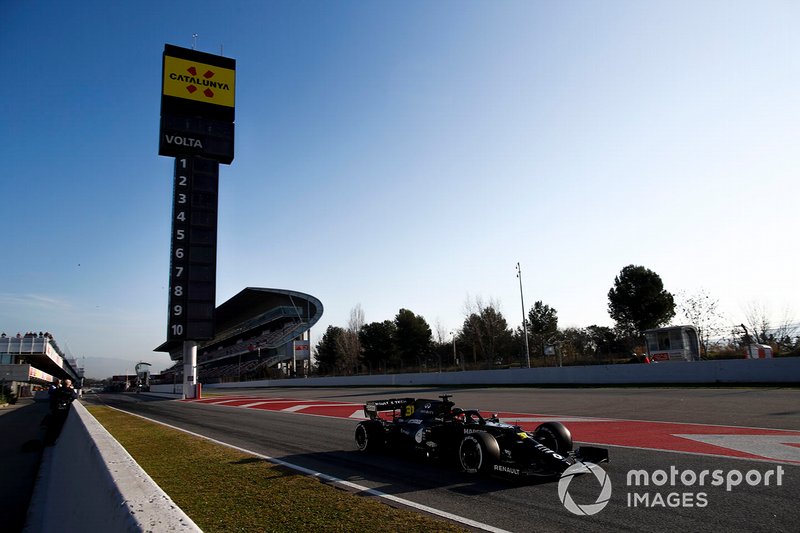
(742, 438)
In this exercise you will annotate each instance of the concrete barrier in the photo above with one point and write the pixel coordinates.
(88, 482)
(163, 391)
(168, 388)
(745, 371)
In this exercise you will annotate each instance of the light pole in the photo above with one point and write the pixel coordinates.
(455, 357)
(524, 321)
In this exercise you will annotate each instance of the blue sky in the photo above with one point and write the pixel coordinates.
(403, 155)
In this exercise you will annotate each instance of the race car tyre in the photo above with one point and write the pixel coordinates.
(478, 452)
(555, 436)
(369, 436)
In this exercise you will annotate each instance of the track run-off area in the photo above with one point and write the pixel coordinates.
(680, 459)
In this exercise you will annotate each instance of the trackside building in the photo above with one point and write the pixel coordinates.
(34, 360)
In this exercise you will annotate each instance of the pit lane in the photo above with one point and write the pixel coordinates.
(325, 444)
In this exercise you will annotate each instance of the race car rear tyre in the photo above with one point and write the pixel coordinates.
(369, 436)
(478, 452)
(555, 436)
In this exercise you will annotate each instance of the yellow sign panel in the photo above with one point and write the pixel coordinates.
(199, 82)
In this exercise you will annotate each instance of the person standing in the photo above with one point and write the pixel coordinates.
(68, 393)
(51, 392)
(60, 401)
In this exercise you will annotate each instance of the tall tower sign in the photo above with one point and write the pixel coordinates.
(197, 129)
(197, 104)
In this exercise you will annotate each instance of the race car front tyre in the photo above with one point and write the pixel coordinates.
(478, 452)
(555, 436)
(369, 436)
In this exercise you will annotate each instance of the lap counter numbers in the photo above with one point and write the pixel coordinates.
(193, 253)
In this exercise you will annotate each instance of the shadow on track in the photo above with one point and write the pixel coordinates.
(398, 475)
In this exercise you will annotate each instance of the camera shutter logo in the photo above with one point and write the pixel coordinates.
(591, 508)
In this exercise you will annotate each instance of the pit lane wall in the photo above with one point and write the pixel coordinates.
(784, 370)
(88, 482)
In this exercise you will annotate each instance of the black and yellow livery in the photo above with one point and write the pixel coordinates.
(464, 437)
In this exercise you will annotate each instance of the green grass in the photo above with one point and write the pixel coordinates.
(223, 489)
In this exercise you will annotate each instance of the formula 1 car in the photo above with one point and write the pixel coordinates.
(439, 430)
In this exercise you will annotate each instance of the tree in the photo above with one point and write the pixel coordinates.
(519, 355)
(782, 337)
(605, 341)
(576, 343)
(497, 338)
(328, 353)
(471, 336)
(700, 311)
(543, 321)
(349, 341)
(442, 348)
(486, 333)
(638, 301)
(413, 338)
(757, 320)
(377, 345)
(349, 352)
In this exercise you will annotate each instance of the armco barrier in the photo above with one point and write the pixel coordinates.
(88, 482)
(744, 371)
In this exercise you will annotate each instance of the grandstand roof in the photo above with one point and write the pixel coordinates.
(253, 308)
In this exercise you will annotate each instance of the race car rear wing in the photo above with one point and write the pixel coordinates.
(372, 408)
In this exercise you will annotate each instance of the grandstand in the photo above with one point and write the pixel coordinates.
(257, 332)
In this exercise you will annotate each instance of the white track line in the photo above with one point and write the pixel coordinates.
(246, 405)
(331, 479)
(295, 408)
(551, 419)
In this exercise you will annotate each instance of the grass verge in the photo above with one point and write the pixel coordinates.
(223, 489)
